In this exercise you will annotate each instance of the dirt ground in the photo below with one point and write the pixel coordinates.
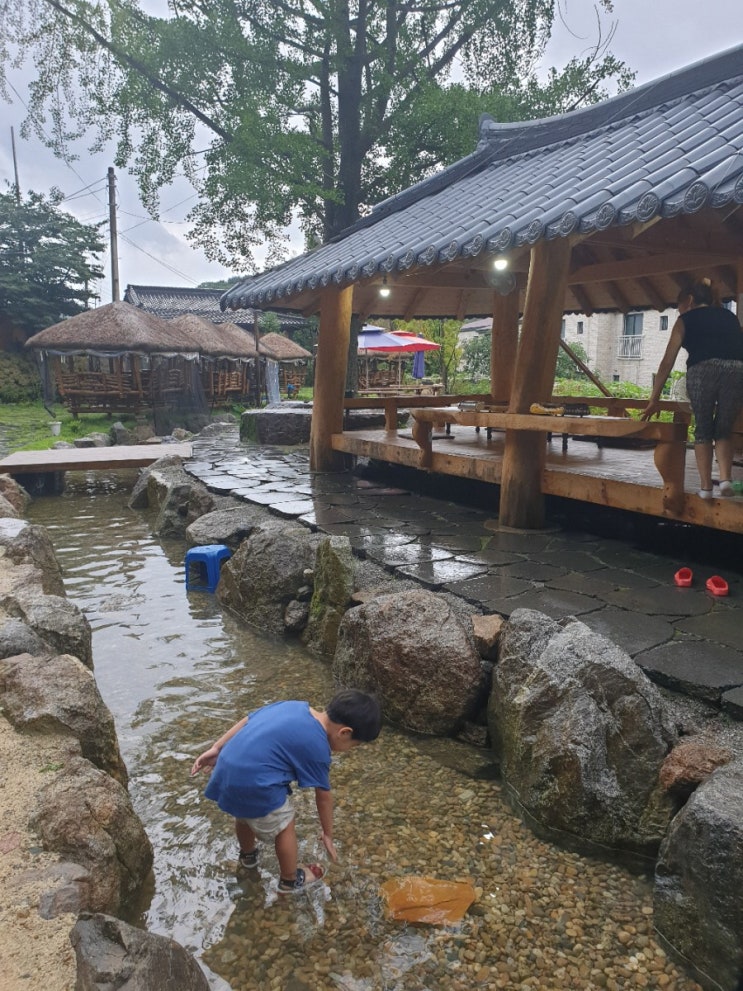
(35, 953)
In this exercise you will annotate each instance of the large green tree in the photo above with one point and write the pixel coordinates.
(280, 110)
(48, 262)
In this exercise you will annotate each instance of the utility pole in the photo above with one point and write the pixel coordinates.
(15, 169)
(115, 294)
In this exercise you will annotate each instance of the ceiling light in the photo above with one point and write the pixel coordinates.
(500, 264)
(384, 289)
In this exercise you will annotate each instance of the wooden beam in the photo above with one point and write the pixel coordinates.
(504, 342)
(412, 307)
(633, 268)
(620, 300)
(464, 296)
(521, 500)
(653, 293)
(330, 377)
(584, 300)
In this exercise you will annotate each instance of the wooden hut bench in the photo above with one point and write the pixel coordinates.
(669, 438)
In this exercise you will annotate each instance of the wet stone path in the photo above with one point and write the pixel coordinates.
(684, 639)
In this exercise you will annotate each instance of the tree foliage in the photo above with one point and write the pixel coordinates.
(445, 333)
(293, 109)
(476, 356)
(566, 368)
(48, 266)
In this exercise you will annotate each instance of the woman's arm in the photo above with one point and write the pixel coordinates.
(675, 341)
(209, 757)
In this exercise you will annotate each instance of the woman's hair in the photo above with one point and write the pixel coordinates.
(701, 292)
(358, 710)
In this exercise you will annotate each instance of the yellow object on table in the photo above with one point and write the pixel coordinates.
(540, 410)
(427, 899)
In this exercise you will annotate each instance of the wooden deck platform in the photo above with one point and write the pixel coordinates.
(608, 476)
(89, 458)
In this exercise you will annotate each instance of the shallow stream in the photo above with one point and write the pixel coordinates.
(176, 671)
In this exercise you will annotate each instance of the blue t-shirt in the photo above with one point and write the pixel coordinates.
(279, 744)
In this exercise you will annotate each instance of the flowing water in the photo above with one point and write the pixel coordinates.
(176, 671)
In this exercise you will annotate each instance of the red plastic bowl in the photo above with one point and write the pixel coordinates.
(683, 577)
(717, 585)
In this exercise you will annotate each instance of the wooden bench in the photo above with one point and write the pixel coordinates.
(669, 438)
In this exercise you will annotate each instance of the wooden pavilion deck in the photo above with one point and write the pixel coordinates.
(623, 477)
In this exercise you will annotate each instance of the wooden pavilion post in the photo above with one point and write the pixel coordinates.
(504, 342)
(521, 499)
(330, 377)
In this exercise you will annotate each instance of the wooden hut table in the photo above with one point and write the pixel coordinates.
(670, 438)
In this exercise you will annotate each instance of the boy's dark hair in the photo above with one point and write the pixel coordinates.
(358, 710)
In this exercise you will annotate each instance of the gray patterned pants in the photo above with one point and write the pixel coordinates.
(715, 389)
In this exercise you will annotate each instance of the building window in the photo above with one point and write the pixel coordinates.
(615, 377)
(664, 322)
(579, 328)
(562, 330)
(630, 344)
(633, 324)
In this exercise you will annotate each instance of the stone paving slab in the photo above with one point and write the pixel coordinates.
(660, 600)
(694, 667)
(632, 632)
(684, 639)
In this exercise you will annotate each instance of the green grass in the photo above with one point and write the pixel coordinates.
(25, 426)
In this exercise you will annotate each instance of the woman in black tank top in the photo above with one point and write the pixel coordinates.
(713, 339)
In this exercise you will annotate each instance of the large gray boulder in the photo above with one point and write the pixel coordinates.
(417, 655)
(15, 494)
(111, 954)
(333, 588)
(86, 816)
(267, 572)
(55, 620)
(698, 906)
(226, 526)
(283, 424)
(581, 734)
(59, 695)
(16, 637)
(23, 544)
(178, 498)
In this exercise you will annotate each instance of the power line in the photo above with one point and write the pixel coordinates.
(170, 268)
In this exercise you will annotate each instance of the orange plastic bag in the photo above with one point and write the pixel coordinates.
(426, 899)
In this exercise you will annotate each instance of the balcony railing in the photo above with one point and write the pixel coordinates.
(630, 346)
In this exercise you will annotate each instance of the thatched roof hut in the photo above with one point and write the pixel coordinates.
(284, 349)
(225, 340)
(115, 328)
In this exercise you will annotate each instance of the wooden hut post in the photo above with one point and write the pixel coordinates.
(504, 342)
(330, 377)
(521, 499)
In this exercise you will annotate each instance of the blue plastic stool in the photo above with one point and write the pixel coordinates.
(207, 561)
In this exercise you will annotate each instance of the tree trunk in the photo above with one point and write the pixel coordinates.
(330, 376)
(504, 345)
(521, 499)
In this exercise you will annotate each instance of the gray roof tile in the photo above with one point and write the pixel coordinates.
(671, 146)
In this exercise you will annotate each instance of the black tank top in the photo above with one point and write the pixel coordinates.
(711, 332)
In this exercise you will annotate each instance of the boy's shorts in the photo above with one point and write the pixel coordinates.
(268, 827)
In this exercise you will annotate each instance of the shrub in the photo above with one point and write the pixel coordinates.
(19, 378)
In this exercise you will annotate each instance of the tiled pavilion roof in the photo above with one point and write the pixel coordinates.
(648, 184)
(169, 302)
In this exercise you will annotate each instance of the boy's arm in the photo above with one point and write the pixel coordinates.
(209, 757)
(324, 801)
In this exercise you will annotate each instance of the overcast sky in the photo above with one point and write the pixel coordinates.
(654, 37)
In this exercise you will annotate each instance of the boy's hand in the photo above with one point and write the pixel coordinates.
(330, 847)
(207, 759)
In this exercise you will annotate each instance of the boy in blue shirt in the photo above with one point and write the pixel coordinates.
(255, 762)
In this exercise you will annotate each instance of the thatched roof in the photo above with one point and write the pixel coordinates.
(283, 349)
(115, 327)
(225, 340)
(118, 328)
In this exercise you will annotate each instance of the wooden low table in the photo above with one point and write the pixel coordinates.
(401, 390)
(669, 438)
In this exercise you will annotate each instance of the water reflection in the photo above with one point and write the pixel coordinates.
(176, 671)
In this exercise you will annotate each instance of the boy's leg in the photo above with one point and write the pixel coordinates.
(245, 836)
(286, 851)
